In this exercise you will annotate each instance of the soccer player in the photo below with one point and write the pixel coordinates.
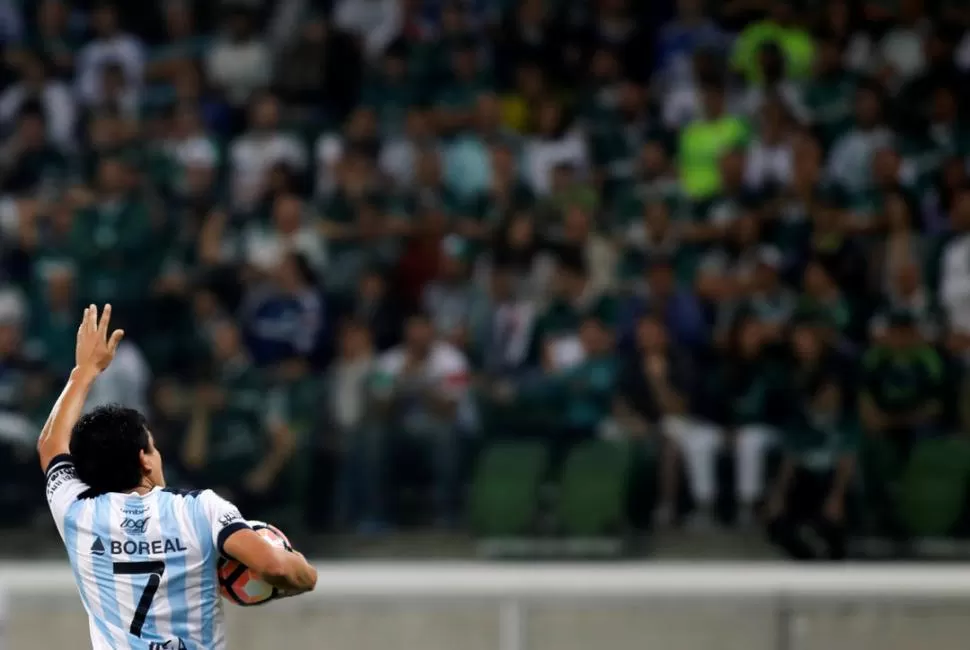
(144, 556)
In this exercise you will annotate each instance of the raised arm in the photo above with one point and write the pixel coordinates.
(93, 353)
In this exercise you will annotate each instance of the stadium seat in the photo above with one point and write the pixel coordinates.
(934, 487)
(592, 499)
(504, 493)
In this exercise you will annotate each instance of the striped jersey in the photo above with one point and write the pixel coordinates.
(145, 565)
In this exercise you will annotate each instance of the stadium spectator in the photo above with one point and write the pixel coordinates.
(808, 505)
(37, 89)
(111, 49)
(654, 227)
(239, 63)
(421, 388)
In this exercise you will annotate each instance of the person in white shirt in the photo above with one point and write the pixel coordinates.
(955, 275)
(240, 62)
(850, 162)
(770, 160)
(258, 150)
(60, 112)
(556, 144)
(421, 391)
(376, 22)
(110, 46)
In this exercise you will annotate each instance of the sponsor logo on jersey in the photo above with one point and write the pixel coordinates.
(58, 477)
(134, 511)
(98, 547)
(145, 547)
(135, 526)
(229, 517)
(171, 644)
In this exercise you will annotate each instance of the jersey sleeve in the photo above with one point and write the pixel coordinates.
(63, 488)
(223, 518)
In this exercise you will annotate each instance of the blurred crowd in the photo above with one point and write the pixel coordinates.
(353, 241)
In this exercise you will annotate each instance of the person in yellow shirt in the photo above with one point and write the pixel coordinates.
(519, 105)
(705, 140)
(782, 29)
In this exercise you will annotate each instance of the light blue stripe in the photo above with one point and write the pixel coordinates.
(174, 569)
(149, 631)
(210, 555)
(104, 570)
(70, 542)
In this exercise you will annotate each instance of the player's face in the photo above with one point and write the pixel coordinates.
(151, 462)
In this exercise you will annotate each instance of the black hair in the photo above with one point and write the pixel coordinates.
(419, 314)
(570, 259)
(105, 446)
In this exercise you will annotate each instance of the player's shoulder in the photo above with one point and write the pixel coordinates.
(204, 501)
(195, 500)
(61, 475)
(179, 493)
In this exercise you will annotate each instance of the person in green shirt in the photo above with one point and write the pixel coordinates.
(829, 95)
(391, 92)
(806, 505)
(745, 381)
(56, 36)
(581, 395)
(902, 386)
(704, 141)
(53, 321)
(574, 299)
(588, 386)
(455, 100)
(237, 439)
(113, 242)
(823, 301)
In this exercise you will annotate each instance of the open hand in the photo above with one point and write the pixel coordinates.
(94, 349)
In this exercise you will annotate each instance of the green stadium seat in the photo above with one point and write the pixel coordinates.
(504, 496)
(934, 485)
(592, 498)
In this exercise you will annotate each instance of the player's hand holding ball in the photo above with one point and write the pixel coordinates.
(240, 585)
(94, 350)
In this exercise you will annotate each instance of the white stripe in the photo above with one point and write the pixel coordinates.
(194, 560)
(97, 642)
(161, 610)
(124, 588)
(89, 580)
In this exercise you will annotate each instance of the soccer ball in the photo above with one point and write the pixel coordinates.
(238, 584)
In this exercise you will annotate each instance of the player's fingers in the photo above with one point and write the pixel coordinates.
(115, 339)
(92, 319)
(105, 319)
(84, 320)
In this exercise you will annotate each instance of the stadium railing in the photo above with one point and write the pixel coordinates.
(609, 606)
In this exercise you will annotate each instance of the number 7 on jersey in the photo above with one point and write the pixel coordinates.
(154, 569)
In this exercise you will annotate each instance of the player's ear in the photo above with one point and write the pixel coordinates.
(146, 462)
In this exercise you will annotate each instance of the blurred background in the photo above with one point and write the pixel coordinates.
(513, 278)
